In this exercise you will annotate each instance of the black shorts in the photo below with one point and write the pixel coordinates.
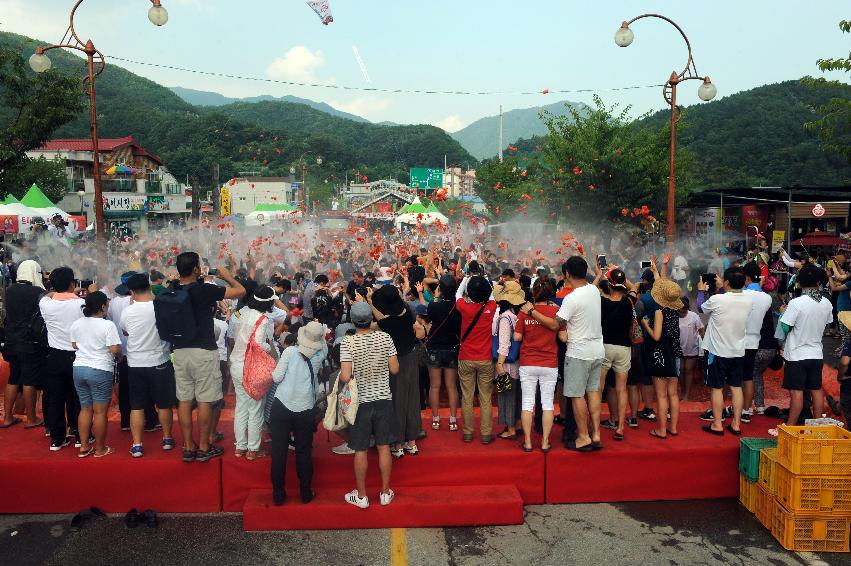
(636, 374)
(724, 371)
(151, 384)
(442, 358)
(14, 370)
(29, 371)
(377, 419)
(750, 364)
(803, 374)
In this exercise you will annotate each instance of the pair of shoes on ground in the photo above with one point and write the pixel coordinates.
(78, 520)
(137, 450)
(385, 498)
(202, 455)
(306, 497)
(134, 518)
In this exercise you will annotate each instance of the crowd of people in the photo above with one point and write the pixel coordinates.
(410, 321)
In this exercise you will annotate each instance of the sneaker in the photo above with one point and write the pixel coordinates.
(78, 443)
(760, 410)
(57, 446)
(387, 497)
(707, 416)
(632, 422)
(746, 417)
(609, 424)
(168, 444)
(125, 427)
(209, 454)
(342, 450)
(152, 428)
(72, 432)
(136, 451)
(647, 414)
(727, 413)
(352, 497)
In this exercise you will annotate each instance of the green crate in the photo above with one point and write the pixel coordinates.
(749, 455)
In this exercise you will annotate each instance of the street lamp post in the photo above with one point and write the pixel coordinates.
(304, 186)
(39, 62)
(82, 195)
(706, 92)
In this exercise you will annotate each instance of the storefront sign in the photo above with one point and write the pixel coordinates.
(756, 216)
(777, 239)
(157, 204)
(225, 204)
(818, 211)
(706, 221)
(122, 202)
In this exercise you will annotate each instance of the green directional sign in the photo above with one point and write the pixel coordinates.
(424, 178)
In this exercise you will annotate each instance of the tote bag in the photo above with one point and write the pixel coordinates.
(342, 408)
(257, 368)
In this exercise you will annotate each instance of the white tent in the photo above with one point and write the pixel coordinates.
(264, 216)
(425, 218)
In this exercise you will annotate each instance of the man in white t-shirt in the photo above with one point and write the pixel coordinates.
(60, 309)
(580, 313)
(150, 374)
(804, 321)
(725, 341)
(761, 305)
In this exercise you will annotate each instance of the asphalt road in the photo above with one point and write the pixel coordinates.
(714, 532)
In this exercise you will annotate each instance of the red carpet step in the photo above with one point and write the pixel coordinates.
(421, 506)
(693, 465)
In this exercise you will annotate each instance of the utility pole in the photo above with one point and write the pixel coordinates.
(217, 193)
(500, 133)
(196, 198)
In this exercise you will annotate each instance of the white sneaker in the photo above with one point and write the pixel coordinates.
(362, 502)
(387, 497)
(760, 410)
(342, 449)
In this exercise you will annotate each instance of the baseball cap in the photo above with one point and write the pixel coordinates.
(361, 314)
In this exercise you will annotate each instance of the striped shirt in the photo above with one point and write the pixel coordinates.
(369, 354)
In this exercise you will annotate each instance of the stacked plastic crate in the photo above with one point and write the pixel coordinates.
(803, 489)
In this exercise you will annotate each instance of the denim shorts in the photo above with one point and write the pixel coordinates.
(92, 385)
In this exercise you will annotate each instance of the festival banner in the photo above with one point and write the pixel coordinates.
(225, 204)
(706, 222)
(9, 223)
(777, 239)
(755, 215)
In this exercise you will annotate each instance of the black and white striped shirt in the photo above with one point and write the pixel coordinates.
(369, 354)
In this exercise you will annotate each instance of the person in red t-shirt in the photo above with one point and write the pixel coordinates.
(475, 363)
(538, 362)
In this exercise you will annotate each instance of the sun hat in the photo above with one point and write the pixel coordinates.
(845, 318)
(29, 270)
(388, 301)
(311, 338)
(667, 294)
(509, 291)
(361, 314)
(616, 278)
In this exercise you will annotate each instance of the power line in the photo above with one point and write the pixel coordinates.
(378, 89)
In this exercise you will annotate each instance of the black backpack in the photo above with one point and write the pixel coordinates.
(174, 314)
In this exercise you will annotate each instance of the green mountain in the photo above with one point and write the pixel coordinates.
(751, 138)
(206, 98)
(266, 137)
(481, 138)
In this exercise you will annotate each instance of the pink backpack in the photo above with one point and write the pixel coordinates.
(257, 368)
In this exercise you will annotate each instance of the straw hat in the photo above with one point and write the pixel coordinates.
(845, 318)
(509, 291)
(311, 338)
(667, 294)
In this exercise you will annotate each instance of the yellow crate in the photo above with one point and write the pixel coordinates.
(814, 450)
(768, 469)
(764, 506)
(827, 495)
(747, 492)
(809, 532)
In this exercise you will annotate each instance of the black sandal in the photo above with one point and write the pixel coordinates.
(526, 448)
(655, 434)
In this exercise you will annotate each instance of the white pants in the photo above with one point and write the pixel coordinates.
(248, 416)
(530, 377)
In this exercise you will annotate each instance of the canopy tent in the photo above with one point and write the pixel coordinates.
(264, 214)
(416, 207)
(820, 239)
(428, 216)
(36, 200)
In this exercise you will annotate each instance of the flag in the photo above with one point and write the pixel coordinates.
(323, 10)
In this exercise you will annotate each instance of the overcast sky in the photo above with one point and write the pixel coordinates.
(479, 45)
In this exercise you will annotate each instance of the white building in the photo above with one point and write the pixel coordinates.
(460, 183)
(247, 192)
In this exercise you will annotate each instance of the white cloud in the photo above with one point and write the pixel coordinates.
(451, 123)
(370, 107)
(297, 64)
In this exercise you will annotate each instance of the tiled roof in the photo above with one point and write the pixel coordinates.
(104, 144)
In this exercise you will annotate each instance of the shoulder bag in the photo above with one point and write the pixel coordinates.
(257, 367)
(513, 349)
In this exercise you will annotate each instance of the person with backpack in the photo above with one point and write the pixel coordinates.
(252, 324)
(475, 358)
(184, 315)
(150, 373)
(293, 409)
(97, 344)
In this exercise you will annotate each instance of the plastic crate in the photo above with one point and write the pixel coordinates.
(747, 492)
(828, 495)
(768, 469)
(809, 532)
(814, 450)
(749, 455)
(764, 506)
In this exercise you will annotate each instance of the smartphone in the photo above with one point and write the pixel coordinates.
(84, 283)
(645, 265)
(601, 260)
(213, 271)
(708, 278)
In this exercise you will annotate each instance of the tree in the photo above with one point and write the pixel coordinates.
(33, 107)
(49, 175)
(834, 125)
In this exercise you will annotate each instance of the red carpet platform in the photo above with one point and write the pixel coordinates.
(443, 460)
(40, 481)
(693, 465)
(425, 506)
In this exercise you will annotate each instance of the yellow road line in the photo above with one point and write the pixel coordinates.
(398, 547)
